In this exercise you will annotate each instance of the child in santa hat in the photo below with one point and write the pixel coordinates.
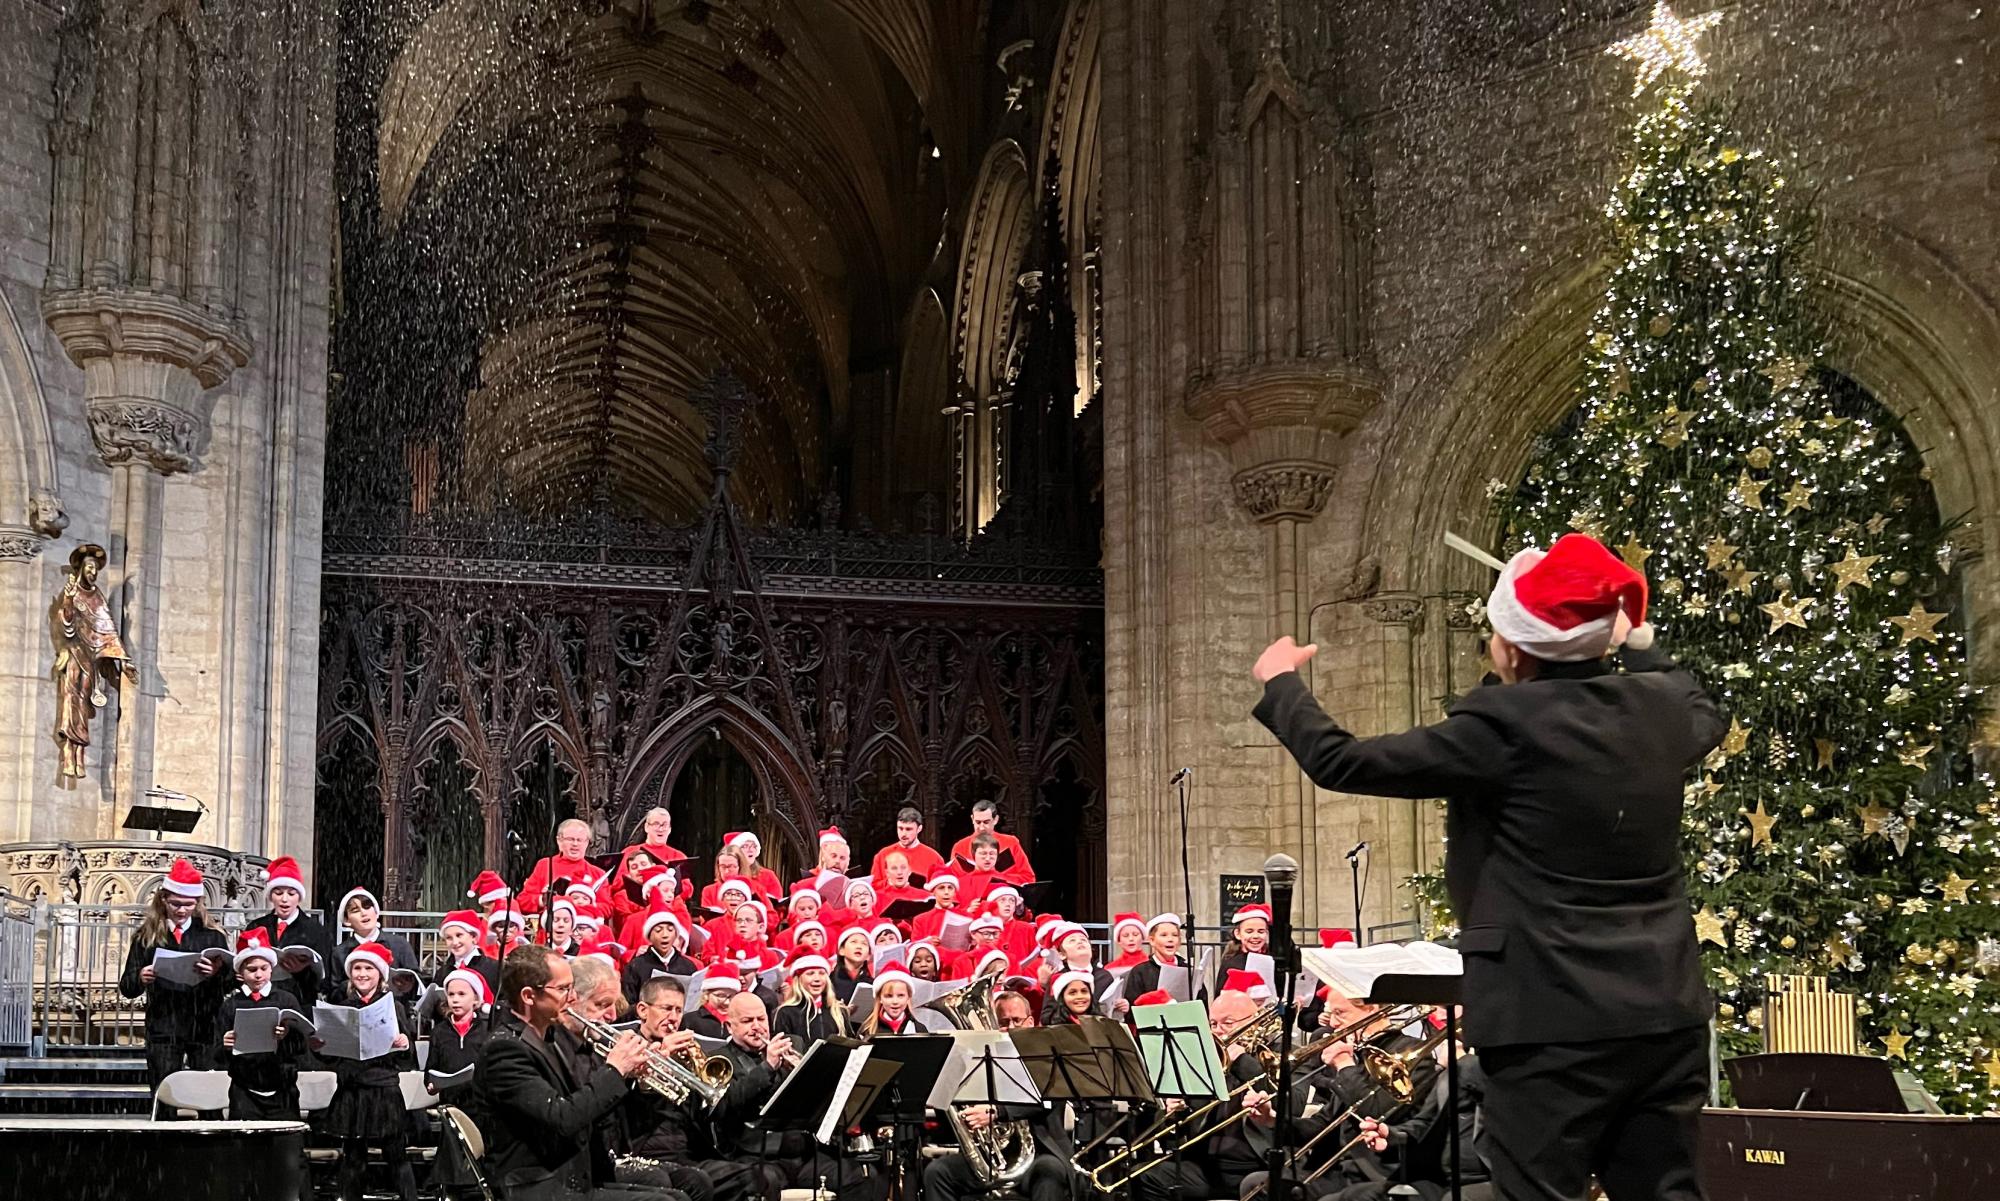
(305, 948)
(264, 1085)
(455, 1041)
(367, 1108)
(180, 1018)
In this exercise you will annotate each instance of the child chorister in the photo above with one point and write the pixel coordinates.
(367, 1108)
(457, 1039)
(180, 1018)
(263, 1087)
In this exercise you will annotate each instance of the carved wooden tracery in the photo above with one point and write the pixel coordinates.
(975, 675)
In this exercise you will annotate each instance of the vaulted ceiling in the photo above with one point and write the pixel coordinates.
(763, 184)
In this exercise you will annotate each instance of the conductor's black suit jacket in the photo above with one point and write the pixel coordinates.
(538, 1117)
(1564, 799)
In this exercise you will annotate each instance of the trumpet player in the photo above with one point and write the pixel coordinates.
(786, 1159)
(1216, 1165)
(1049, 1177)
(677, 1134)
(540, 1115)
(598, 999)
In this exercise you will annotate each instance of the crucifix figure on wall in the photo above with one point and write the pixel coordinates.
(89, 651)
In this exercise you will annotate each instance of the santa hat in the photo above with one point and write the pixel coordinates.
(1238, 980)
(885, 926)
(987, 960)
(742, 838)
(660, 917)
(802, 890)
(804, 961)
(1121, 920)
(941, 878)
(1561, 605)
(831, 834)
(183, 879)
(854, 886)
(481, 991)
(284, 873)
(1163, 919)
(603, 946)
(563, 905)
(371, 952)
(763, 912)
(1334, 936)
(488, 887)
(923, 944)
(1064, 979)
(1158, 996)
(254, 943)
(1059, 930)
(894, 975)
(850, 932)
(1249, 911)
(803, 928)
(340, 910)
(589, 917)
(464, 919)
(735, 884)
(715, 981)
(504, 913)
(580, 890)
(988, 921)
(1002, 890)
(1043, 925)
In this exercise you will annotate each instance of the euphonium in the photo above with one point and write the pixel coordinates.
(1003, 1151)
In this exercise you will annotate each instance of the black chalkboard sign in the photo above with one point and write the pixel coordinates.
(1238, 891)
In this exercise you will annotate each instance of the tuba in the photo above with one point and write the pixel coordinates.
(1002, 1152)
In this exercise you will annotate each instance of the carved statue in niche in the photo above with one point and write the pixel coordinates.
(88, 652)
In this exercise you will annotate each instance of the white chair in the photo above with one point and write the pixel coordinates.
(423, 1054)
(198, 1091)
(415, 1095)
(471, 1144)
(316, 1090)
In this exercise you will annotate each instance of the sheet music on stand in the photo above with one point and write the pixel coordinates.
(1179, 1052)
(984, 1068)
(1124, 1068)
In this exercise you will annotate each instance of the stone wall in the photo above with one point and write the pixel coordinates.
(165, 248)
(1482, 149)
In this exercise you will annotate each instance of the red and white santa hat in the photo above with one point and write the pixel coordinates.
(488, 887)
(589, 917)
(742, 838)
(603, 946)
(1163, 919)
(859, 885)
(1333, 936)
(803, 960)
(763, 912)
(986, 960)
(1249, 911)
(851, 932)
(1158, 996)
(475, 981)
(1121, 920)
(941, 878)
(885, 926)
(563, 904)
(505, 913)
(803, 928)
(580, 891)
(1238, 980)
(734, 884)
(801, 891)
(464, 919)
(658, 917)
(183, 879)
(831, 834)
(894, 975)
(284, 873)
(371, 952)
(988, 921)
(254, 943)
(1563, 604)
(1057, 930)
(1002, 890)
(1064, 979)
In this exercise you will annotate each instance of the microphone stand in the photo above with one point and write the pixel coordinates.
(1280, 873)
(1354, 872)
(1187, 879)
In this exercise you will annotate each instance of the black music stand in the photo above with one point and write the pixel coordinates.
(1412, 988)
(152, 814)
(810, 1099)
(920, 1060)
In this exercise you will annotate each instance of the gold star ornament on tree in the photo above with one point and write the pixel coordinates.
(1852, 571)
(1719, 552)
(1708, 927)
(1635, 555)
(1917, 625)
(1667, 44)
(1896, 1043)
(1784, 372)
(1760, 825)
(1955, 887)
(1787, 610)
(1873, 818)
(1798, 496)
(1748, 492)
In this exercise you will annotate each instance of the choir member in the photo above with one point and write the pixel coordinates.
(679, 1132)
(854, 963)
(728, 866)
(944, 899)
(762, 879)
(455, 1042)
(180, 1018)
(367, 1107)
(1013, 864)
(658, 827)
(710, 1017)
(1163, 938)
(263, 1086)
(893, 1012)
(561, 930)
(1070, 997)
(899, 882)
(567, 864)
(1128, 936)
(461, 929)
(305, 950)
(926, 961)
(811, 1010)
(360, 920)
(664, 933)
(540, 1117)
(918, 857)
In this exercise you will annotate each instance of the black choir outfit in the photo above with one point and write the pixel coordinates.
(704, 1021)
(401, 956)
(453, 1049)
(486, 965)
(845, 983)
(367, 1109)
(1583, 982)
(180, 1018)
(805, 1023)
(646, 964)
(263, 1087)
(1145, 977)
(304, 930)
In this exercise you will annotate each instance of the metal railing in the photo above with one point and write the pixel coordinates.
(17, 971)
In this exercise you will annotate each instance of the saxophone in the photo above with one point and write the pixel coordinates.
(1001, 1152)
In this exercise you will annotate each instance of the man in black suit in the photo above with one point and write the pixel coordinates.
(1049, 1176)
(1583, 987)
(541, 1118)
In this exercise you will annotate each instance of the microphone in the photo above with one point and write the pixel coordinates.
(1281, 872)
(1180, 775)
(1358, 848)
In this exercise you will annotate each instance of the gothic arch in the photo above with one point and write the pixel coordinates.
(997, 231)
(1908, 329)
(27, 449)
(777, 763)
(923, 390)
(1069, 146)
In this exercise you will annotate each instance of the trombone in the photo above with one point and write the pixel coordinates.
(1259, 1035)
(674, 1077)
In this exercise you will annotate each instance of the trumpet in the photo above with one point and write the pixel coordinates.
(675, 1077)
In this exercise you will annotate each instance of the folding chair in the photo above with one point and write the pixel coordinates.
(471, 1144)
(202, 1092)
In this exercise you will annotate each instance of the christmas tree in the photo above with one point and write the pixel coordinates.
(1800, 568)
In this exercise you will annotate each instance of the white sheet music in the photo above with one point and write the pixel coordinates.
(1353, 970)
(1265, 966)
(176, 967)
(849, 1073)
(350, 1033)
(1178, 982)
(257, 1029)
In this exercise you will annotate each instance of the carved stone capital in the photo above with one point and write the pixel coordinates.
(163, 437)
(147, 358)
(1275, 491)
(1296, 409)
(1394, 608)
(18, 544)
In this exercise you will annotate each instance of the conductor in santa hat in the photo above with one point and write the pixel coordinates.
(1563, 779)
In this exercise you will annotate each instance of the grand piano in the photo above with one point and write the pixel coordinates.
(1836, 1128)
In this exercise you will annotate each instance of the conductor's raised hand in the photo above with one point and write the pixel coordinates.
(1282, 656)
(627, 1056)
